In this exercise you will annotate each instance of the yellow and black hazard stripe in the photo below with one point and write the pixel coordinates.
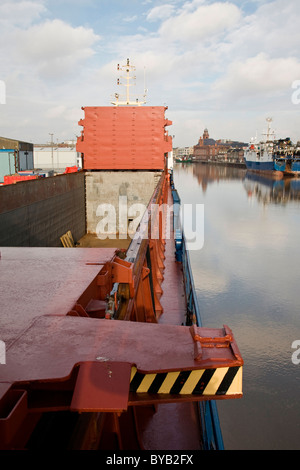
(219, 381)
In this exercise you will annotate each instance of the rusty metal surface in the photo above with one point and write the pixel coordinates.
(173, 301)
(36, 213)
(53, 345)
(28, 193)
(173, 426)
(43, 281)
(111, 378)
(66, 360)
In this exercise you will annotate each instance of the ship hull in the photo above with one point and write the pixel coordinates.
(295, 168)
(264, 168)
(259, 166)
(288, 167)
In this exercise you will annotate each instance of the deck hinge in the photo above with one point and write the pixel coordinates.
(201, 342)
(122, 273)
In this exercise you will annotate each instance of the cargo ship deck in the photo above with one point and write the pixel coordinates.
(56, 329)
(102, 346)
(47, 283)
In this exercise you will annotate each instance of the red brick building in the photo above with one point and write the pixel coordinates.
(206, 148)
(209, 149)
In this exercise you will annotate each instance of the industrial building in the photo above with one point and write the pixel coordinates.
(15, 156)
(56, 157)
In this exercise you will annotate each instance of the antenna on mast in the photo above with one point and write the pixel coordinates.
(270, 133)
(145, 89)
(128, 69)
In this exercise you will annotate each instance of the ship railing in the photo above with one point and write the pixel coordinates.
(139, 256)
(136, 254)
(208, 412)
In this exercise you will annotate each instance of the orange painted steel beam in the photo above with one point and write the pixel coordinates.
(139, 299)
(57, 344)
(94, 365)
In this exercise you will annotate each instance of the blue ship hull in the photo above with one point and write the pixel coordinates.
(260, 166)
(288, 166)
(296, 167)
(279, 165)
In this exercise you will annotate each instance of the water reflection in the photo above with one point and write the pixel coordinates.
(247, 276)
(265, 188)
(207, 174)
(268, 190)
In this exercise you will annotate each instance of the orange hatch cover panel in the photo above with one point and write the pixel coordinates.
(124, 138)
(122, 363)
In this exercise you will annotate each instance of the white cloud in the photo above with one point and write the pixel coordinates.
(160, 13)
(130, 19)
(201, 23)
(200, 56)
(55, 47)
(20, 13)
(56, 111)
(272, 29)
(44, 65)
(259, 74)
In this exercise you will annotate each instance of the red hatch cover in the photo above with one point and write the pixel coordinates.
(52, 345)
(102, 386)
(116, 358)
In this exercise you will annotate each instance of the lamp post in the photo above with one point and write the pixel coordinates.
(52, 151)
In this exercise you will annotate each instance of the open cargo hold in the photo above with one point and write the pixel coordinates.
(104, 347)
(108, 360)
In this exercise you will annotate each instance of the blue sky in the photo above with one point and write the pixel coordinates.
(225, 65)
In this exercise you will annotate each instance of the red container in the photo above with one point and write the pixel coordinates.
(11, 179)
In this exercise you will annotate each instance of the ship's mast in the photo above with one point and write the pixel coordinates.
(129, 81)
(270, 133)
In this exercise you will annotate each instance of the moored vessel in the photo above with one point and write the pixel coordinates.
(259, 156)
(273, 157)
(287, 157)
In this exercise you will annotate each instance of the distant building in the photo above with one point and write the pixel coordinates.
(56, 157)
(208, 149)
(15, 156)
(179, 152)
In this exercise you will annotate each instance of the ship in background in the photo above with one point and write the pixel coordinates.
(287, 157)
(273, 157)
(259, 156)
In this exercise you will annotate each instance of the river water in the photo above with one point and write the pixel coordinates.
(247, 276)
